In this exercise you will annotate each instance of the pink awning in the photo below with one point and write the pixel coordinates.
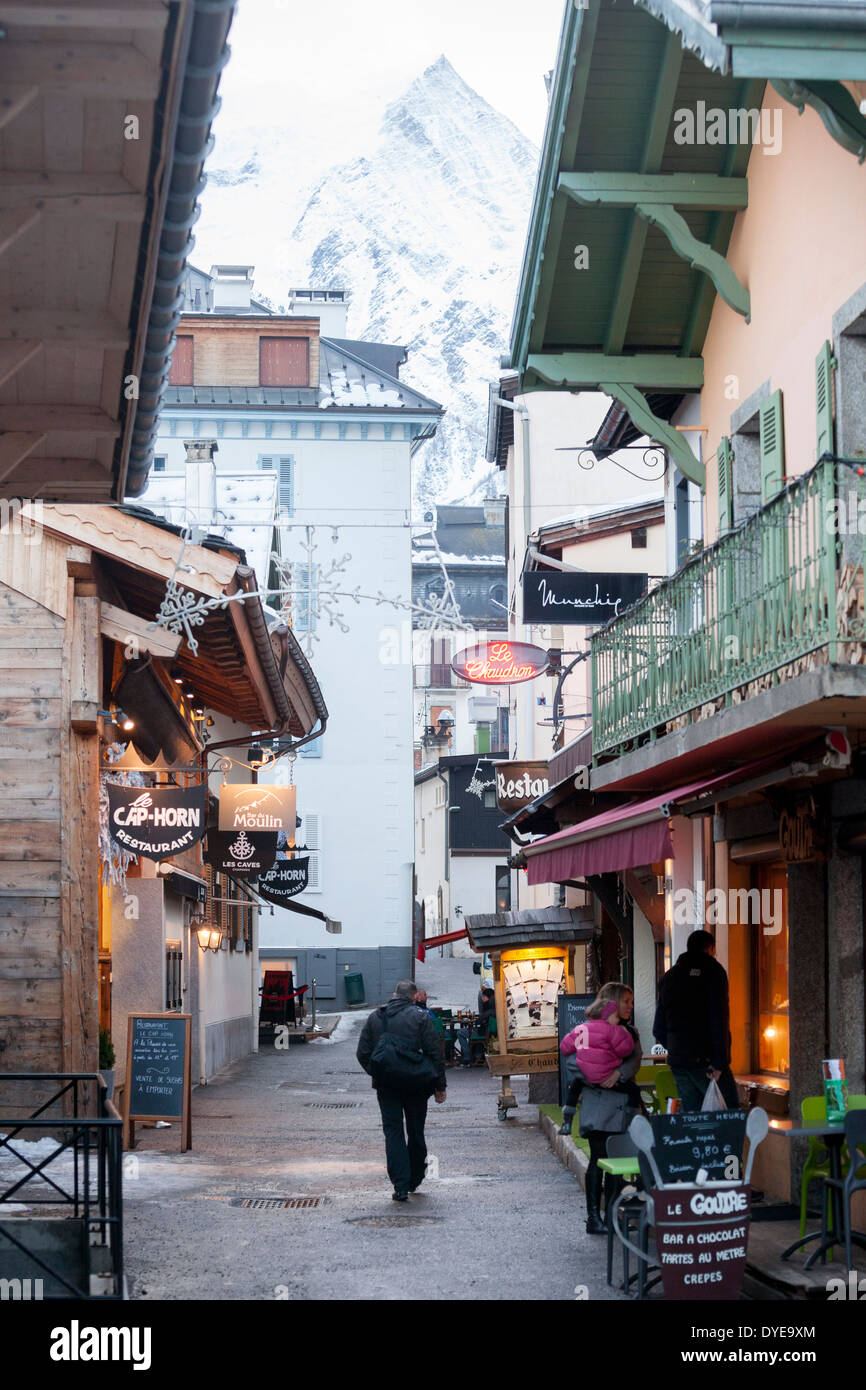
(619, 839)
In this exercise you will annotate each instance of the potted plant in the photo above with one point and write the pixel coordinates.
(106, 1060)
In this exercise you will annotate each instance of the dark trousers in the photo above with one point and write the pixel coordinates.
(692, 1083)
(406, 1154)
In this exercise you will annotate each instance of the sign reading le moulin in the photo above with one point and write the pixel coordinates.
(286, 879)
(158, 821)
(258, 807)
(241, 853)
(500, 663)
(519, 783)
(570, 596)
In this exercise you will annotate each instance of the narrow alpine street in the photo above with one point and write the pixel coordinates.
(499, 1217)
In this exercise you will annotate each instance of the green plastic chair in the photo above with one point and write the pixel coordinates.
(646, 1076)
(666, 1088)
(813, 1110)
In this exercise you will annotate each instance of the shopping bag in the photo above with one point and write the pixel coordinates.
(713, 1099)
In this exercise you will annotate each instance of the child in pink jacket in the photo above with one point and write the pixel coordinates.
(598, 1045)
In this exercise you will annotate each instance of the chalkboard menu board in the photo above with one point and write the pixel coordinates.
(571, 1011)
(158, 1071)
(700, 1139)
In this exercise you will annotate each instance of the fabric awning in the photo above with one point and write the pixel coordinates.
(619, 839)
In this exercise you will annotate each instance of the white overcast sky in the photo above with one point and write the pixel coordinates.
(325, 72)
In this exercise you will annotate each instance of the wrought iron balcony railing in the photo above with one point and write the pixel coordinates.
(788, 582)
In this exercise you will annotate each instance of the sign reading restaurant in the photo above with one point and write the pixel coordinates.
(500, 663)
(287, 878)
(156, 822)
(258, 807)
(519, 783)
(571, 596)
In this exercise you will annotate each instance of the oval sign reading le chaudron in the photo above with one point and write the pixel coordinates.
(500, 663)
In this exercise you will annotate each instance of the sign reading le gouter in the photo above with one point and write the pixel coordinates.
(158, 821)
(500, 663)
(258, 807)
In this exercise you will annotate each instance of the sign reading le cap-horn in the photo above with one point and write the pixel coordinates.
(156, 821)
(519, 783)
(236, 852)
(258, 807)
(287, 878)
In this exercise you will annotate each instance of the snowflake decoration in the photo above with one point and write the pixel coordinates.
(477, 786)
(307, 593)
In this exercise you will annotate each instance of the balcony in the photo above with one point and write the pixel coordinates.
(781, 594)
(438, 677)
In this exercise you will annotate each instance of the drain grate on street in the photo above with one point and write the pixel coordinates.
(332, 1105)
(273, 1203)
(398, 1219)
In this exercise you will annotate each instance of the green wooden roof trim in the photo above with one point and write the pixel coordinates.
(698, 253)
(836, 107)
(585, 371)
(687, 190)
(563, 122)
(658, 129)
(658, 430)
(801, 54)
(609, 148)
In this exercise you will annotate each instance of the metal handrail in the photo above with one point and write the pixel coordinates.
(763, 595)
(96, 1197)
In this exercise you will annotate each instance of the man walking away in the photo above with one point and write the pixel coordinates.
(412, 1028)
(692, 1022)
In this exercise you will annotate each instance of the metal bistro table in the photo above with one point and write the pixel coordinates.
(834, 1137)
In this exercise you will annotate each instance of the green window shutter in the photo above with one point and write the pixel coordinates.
(724, 461)
(772, 446)
(824, 399)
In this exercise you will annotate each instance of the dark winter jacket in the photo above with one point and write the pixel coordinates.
(406, 1021)
(692, 1019)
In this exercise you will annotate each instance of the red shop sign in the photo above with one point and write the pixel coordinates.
(500, 663)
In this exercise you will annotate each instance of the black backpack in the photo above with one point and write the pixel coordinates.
(397, 1064)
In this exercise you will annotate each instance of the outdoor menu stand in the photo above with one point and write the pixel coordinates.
(158, 1073)
(834, 1138)
(702, 1229)
(533, 957)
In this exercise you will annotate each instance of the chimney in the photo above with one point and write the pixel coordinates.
(200, 489)
(330, 307)
(232, 288)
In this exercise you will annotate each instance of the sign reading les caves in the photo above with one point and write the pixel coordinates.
(156, 822)
(500, 663)
(258, 807)
(241, 853)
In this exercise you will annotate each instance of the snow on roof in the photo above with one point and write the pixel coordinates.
(581, 514)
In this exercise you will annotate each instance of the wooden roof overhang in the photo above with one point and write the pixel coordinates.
(87, 209)
(260, 678)
(654, 216)
(630, 227)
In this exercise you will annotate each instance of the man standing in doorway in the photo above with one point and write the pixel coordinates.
(692, 1022)
(406, 1154)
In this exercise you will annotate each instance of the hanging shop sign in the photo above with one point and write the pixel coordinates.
(500, 663)
(236, 852)
(258, 807)
(156, 822)
(702, 1234)
(798, 832)
(285, 880)
(519, 783)
(572, 597)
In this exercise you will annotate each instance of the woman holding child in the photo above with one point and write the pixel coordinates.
(606, 1054)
